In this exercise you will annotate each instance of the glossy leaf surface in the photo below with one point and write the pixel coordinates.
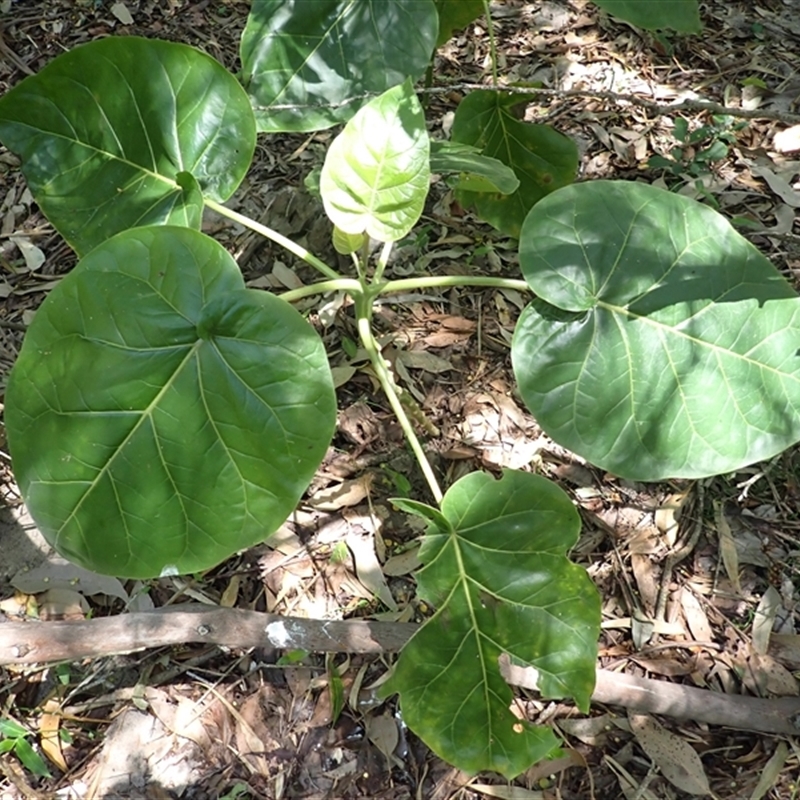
(376, 172)
(310, 64)
(679, 15)
(500, 581)
(455, 15)
(105, 130)
(663, 344)
(542, 158)
(477, 172)
(161, 416)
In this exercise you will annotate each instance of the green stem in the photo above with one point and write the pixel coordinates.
(390, 388)
(383, 260)
(349, 285)
(274, 236)
(492, 41)
(411, 284)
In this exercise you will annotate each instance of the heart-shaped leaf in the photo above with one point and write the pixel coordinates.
(106, 131)
(310, 64)
(663, 344)
(376, 172)
(501, 583)
(455, 15)
(477, 172)
(161, 416)
(680, 15)
(542, 158)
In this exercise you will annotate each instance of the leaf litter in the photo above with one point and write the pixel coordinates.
(239, 719)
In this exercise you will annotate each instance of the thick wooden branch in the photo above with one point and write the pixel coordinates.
(40, 642)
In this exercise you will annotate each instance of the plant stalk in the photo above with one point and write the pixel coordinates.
(410, 284)
(390, 388)
(487, 12)
(349, 285)
(274, 236)
(383, 260)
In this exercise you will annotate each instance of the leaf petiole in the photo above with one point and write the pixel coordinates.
(274, 236)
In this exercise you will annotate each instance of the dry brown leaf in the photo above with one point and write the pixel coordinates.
(590, 730)
(422, 359)
(507, 792)
(667, 516)
(644, 574)
(664, 666)
(346, 494)
(786, 647)
(764, 619)
(695, 616)
(629, 785)
(49, 724)
(368, 568)
(727, 547)
(121, 12)
(765, 675)
(403, 563)
(33, 255)
(286, 276)
(56, 573)
(231, 593)
(444, 339)
(674, 756)
(778, 185)
(66, 604)
(382, 731)
(772, 770)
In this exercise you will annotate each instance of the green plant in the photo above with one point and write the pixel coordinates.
(162, 416)
(14, 739)
(699, 148)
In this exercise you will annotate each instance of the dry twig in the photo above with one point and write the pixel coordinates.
(35, 642)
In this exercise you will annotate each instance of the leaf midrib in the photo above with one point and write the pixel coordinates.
(668, 330)
(146, 414)
(110, 156)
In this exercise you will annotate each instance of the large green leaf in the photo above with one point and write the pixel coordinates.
(310, 64)
(542, 158)
(663, 344)
(501, 583)
(455, 15)
(161, 416)
(680, 15)
(105, 130)
(476, 172)
(376, 172)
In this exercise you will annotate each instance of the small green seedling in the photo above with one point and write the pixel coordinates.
(14, 738)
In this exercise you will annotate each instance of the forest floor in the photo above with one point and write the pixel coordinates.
(202, 722)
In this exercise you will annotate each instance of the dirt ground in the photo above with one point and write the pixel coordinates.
(683, 568)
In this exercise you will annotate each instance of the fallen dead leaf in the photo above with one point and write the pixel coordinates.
(766, 676)
(49, 724)
(57, 573)
(727, 547)
(764, 619)
(507, 792)
(33, 255)
(696, 618)
(346, 494)
(121, 12)
(382, 731)
(667, 516)
(675, 757)
(771, 772)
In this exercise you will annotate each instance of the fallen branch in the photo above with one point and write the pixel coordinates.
(40, 642)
